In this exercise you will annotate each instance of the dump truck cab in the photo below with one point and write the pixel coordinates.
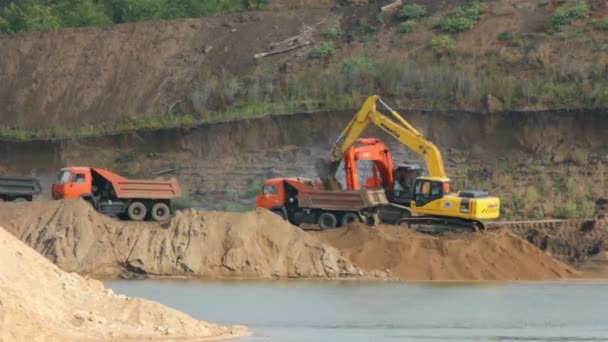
(278, 193)
(73, 182)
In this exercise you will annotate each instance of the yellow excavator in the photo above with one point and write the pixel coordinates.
(432, 203)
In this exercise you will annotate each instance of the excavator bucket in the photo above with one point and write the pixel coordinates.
(326, 170)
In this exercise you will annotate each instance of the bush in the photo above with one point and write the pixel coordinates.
(504, 36)
(413, 11)
(601, 25)
(579, 9)
(324, 51)
(443, 45)
(566, 211)
(407, 27)
(360, 74)
(332, 33)
(29, 17)
(75, 13)
(462, 19)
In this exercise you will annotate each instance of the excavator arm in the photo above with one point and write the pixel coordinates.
(394, 125)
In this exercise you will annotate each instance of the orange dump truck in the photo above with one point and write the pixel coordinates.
(302, 200)
(118, 196)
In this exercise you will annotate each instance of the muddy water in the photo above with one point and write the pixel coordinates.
(355, 311)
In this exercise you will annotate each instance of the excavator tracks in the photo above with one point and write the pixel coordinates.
(440, 225)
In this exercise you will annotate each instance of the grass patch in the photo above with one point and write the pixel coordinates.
(333, 33)
(407, 26)
(322, 52)
(443, 45)
(578, 9)
(462, 18)
(413, 11)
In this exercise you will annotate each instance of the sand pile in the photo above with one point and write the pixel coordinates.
(412, 256)
(201, 244)
(39, 302)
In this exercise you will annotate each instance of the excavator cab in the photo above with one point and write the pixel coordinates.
(429, 189)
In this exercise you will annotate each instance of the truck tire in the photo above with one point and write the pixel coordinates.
(327, 221)
(349, 218)
(136, 211)
(374, 220)
(160, 212)
(280, 213)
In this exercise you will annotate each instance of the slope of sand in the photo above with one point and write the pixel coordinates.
(409, 255)
(39, 302)
(195, 243)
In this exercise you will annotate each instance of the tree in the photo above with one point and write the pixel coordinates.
(81, 13)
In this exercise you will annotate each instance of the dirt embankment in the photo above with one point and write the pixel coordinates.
(40, 302)
(582, 243)
(261, 245)
(411, 256)
(198, 244)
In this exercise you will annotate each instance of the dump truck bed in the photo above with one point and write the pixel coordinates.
(141, 188)
(342, 200)
(19, 186)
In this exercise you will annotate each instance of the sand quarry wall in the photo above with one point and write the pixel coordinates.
(40, 302)
(555, 135)
(260, 245)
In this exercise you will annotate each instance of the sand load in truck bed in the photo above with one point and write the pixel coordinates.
(39, 302)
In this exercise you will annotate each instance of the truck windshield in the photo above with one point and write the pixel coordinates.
(63, 177)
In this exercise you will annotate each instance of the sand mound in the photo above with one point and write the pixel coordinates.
(412, 256)
(39, 302)
(195, 243)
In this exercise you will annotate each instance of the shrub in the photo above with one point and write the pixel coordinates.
(360, 74)
(566, 211)
(324, 51)
(332, 33)
(579, 9)
(504, 36)
(462, 19)
(413, 11)
(28, 17)
(443, 45)
(601, 25)
(407, 26)
(81, 13)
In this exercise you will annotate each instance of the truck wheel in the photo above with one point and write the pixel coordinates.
(349, 218)
(374, 220)
(280, 213)
(137, 211)
(327, 221)
(160, 211)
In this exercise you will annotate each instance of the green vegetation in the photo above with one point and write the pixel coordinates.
(579, 9)
(413, 11)
(601, 25)
(332, 33)
(462, 19)
(443, 45)
(324, 51)
(407, 26)
(44, 15)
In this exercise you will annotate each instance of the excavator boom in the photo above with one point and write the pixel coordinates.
(394, 125)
